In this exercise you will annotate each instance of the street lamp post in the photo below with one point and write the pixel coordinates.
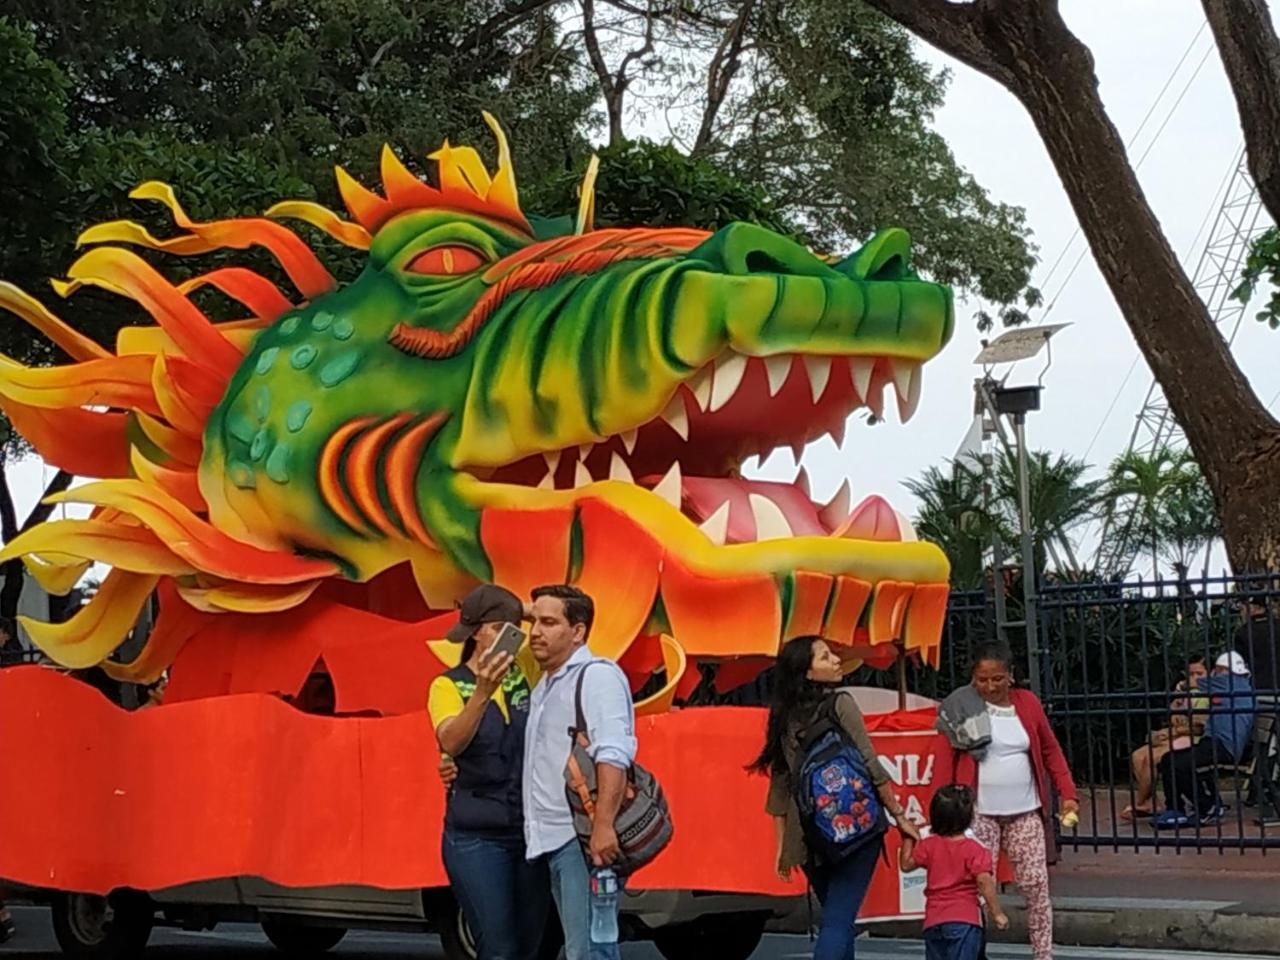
(1014, 403)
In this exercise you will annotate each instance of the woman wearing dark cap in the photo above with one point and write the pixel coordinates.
(479, 710)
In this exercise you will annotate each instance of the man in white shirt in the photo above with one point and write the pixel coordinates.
(562, 617)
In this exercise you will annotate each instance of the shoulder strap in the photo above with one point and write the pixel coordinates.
(580, 718)
(824, 719)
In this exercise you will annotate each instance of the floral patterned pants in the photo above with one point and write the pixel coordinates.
(1022, 838)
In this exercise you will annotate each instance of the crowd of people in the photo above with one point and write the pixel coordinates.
(511, 715)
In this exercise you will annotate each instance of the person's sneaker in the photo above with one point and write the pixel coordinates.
(1171, 820)
(1213, 815)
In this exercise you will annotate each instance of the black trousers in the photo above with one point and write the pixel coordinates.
(1180, 778)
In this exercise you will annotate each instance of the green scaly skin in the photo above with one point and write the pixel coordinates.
(588, 357)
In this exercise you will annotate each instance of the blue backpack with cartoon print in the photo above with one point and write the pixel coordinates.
(839, 809)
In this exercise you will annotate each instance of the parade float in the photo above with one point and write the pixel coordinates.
(306, 491)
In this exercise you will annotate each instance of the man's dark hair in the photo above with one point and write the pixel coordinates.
(578, 607)
(951, 810)
(1195, 659)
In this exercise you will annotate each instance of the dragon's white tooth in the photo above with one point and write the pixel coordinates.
(700, 387)
(819, 374)
(584, 450)
(860, 369)
(618, 469)
(835, 513)
(671, 486)
(771, 523)
(906, 531)
(629, 441)
(874, 397)
(677, 416)
(902, 371)
(909, 400)
(548, 482)
(716, 526)
(726, 379)
(777, 369)
(581, 475)
(797, 451)
(553, 459)
(801, 481)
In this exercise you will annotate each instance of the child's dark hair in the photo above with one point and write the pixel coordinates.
(951, 810)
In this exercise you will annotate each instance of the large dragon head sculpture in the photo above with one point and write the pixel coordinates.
(492, 398)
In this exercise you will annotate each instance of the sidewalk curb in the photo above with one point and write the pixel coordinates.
(1205, 925)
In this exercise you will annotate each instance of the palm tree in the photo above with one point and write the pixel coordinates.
(1060, 499)
(1188, 521)
(952, 512)
(1147, 482)
(953, 516)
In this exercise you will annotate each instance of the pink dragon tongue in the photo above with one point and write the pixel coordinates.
(873, 519)
(703, 496)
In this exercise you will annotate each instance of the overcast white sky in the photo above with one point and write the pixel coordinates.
(1136, 44)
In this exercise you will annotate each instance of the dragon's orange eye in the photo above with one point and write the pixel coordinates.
(447, 260)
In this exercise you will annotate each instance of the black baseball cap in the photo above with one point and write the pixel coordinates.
(487, 603)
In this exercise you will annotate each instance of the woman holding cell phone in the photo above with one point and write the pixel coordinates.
(479, 710)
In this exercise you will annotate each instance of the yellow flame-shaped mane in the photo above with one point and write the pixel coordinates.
(146, 404)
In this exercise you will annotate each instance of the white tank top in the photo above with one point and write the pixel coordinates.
(1006, 779)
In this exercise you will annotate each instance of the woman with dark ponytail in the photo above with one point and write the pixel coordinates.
(806, 695)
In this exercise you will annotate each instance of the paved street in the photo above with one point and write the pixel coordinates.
(35, 940)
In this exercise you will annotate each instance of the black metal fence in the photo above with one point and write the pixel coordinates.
(1117, 668)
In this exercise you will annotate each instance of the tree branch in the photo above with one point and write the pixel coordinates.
(954, 28)
(1250, 53)
(512, 16)
(612, 103)
(614, 84)
(720, 73)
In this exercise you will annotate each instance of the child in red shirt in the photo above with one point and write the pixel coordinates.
(958, 868)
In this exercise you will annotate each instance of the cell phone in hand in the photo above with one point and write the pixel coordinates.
(510, 640)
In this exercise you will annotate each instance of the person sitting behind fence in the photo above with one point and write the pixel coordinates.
(1186, 724)
(1227, 730)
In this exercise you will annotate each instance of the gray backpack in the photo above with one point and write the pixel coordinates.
(643, 823)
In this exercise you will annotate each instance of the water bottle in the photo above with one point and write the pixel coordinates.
(604, 905)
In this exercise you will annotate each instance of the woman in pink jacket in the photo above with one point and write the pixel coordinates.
(1011, 778)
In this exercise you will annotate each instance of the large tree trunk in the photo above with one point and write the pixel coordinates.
(1026, 46)
(1251, 55)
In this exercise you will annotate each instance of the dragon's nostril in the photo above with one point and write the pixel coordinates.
(760, 261)
(895, 268)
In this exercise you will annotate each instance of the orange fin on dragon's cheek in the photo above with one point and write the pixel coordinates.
(506, 535)
(621, 563)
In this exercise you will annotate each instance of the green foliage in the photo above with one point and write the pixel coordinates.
(1263, 264)
(1170, 502)
(835, 124)
(657, 185)
(955, 513)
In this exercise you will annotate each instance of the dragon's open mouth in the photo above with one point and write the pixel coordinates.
(736, 408)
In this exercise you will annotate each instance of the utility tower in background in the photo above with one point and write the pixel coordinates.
(1238, 221)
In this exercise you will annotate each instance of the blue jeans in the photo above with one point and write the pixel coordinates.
(953, 941)
(502, 895)
(571, 888)
(841, 889)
